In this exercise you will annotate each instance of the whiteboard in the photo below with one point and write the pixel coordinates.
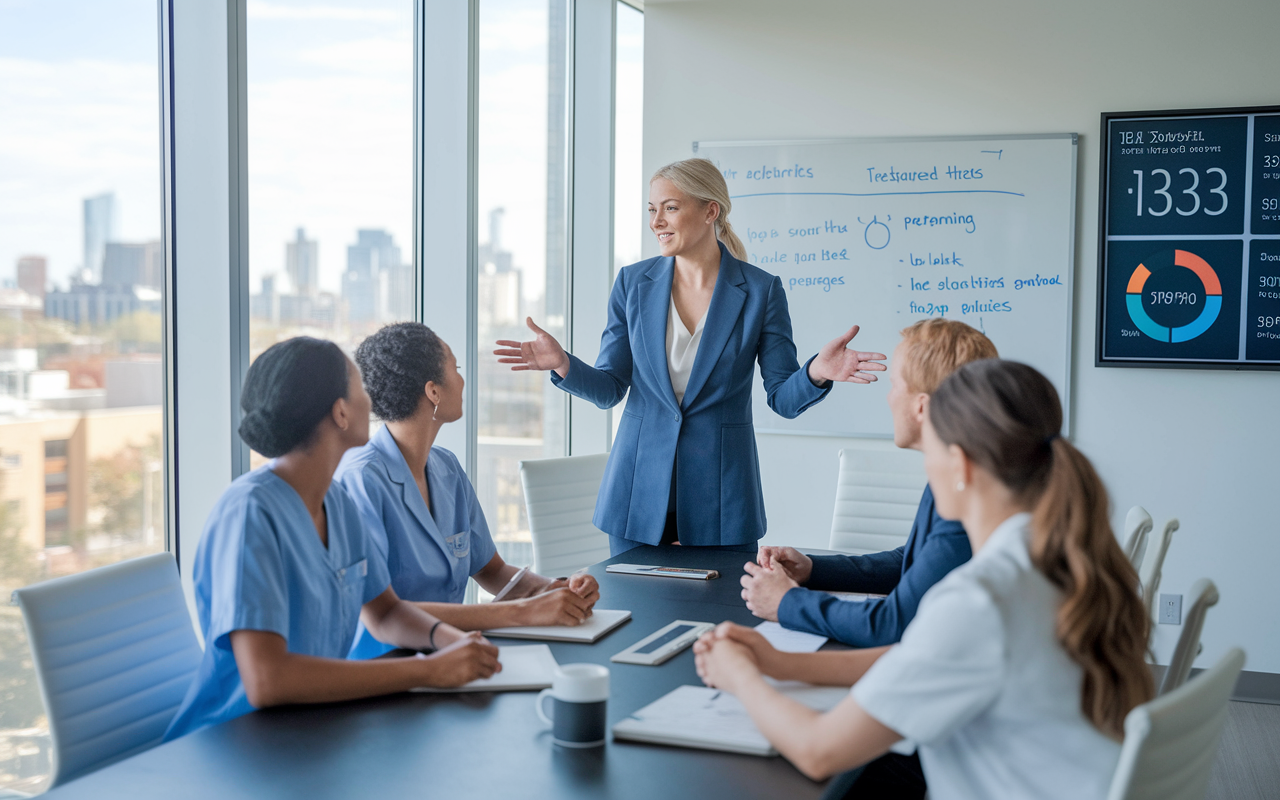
(884, 232)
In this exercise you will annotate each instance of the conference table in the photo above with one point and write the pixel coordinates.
(476, 745)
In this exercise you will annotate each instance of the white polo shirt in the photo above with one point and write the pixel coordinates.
(981, 685)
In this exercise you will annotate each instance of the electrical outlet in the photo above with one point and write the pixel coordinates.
(1170, 609)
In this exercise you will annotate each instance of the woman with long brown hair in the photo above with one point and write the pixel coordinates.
(1016, 674)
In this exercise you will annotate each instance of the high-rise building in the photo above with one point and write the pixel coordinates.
(302, 263)
(129, 264)
(99, 228)
(33, 275)
(95, 304)
(499, 284)
(377, 286)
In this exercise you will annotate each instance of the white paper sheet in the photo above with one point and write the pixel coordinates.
(789, 641)
(524, 668)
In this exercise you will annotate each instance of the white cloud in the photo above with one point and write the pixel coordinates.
(331, 155)
(75, 129)
(388, 57)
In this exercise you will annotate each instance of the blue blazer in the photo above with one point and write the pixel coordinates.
(709, 438)
(935, 547)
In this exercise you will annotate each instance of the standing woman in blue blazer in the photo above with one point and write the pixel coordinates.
(685, 331)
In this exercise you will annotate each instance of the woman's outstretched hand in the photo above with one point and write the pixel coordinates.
(836, 362)
(543, 353)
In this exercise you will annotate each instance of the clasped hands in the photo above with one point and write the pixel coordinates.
(778, 571)
(730, 653)
(562, 602)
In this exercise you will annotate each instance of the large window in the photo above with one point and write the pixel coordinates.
(330, 124)
(82, 267)
(330, 118)
(523, 204)
(630, 189)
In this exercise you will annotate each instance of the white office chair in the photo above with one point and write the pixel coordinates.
(877, 494)
(114, 652)
(1137, 524)
(1203, 596)
(1153, 565)
(560, 495)
(1170, 743)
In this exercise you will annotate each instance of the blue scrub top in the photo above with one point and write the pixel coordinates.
(429, 554)
(261, 566)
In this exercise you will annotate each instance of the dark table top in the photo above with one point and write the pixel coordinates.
(475, 746)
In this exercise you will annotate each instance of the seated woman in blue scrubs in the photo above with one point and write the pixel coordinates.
(284, 570)
(1015, 677)
(420, 509)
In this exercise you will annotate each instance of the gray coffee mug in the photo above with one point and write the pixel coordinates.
(579, 696)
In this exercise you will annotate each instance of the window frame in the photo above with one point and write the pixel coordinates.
(205, 223)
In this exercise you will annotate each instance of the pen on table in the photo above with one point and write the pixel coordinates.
(511, 584)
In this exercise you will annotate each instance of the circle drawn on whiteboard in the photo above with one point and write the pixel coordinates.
(877, 233)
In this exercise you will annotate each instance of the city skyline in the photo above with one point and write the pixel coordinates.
(330, 128)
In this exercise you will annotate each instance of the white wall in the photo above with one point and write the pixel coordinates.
(1204, 446)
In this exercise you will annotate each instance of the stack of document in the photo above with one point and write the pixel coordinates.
(710, 719)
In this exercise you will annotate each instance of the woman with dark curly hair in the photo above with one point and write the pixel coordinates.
(422, 513)
(284, 570)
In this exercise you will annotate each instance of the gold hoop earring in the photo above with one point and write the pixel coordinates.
(959, 486)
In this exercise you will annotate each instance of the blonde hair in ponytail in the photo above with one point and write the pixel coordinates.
(1006, 416)
(701, 180)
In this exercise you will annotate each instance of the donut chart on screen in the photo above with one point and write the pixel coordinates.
(1184, 333)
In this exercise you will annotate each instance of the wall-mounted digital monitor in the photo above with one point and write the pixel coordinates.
(1189, 239)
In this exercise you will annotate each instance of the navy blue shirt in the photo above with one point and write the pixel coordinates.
(935, 547)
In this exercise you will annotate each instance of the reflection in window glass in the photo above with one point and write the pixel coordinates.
(630, 189)
(330, 169)
(522, 200)
(81, 282)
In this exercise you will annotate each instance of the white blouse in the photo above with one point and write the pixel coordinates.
(682, 349)
(983, 687)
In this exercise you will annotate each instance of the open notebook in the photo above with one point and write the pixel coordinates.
(710, 719)
(523, 668)
(601, 621)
